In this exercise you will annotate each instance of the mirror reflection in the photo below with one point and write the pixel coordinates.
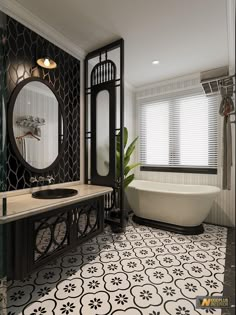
(37, 124)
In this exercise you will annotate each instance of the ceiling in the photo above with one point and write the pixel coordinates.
(186, 36)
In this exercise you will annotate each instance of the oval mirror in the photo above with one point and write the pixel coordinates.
(36, 124)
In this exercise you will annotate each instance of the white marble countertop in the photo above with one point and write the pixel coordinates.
(24, 205)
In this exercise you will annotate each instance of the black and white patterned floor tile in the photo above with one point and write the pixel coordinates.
(142, 271)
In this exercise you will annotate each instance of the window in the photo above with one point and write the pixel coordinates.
(179, 133)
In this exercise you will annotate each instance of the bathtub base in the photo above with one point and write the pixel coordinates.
(186, 230)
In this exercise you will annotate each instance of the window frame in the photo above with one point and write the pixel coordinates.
(193, 170)
(177, 169)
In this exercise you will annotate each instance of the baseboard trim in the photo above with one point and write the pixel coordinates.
(186, 230)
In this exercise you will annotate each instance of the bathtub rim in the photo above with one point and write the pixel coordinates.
(214, 189)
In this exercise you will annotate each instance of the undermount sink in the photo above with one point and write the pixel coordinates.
(55, 193)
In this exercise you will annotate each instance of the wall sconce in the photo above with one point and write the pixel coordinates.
(45, 61)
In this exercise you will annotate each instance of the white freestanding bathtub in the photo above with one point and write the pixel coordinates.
(175, 207)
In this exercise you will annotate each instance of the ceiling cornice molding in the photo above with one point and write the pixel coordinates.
(27, 18)
(195, 77)
(231, 34)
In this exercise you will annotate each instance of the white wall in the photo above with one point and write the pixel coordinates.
(130, 114)
(223, 209)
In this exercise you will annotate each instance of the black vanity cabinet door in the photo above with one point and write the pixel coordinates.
(35, 241)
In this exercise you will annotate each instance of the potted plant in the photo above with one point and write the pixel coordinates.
(128, 178)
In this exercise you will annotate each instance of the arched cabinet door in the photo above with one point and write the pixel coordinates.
(103, 124)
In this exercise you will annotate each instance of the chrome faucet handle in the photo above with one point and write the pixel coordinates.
(33, 180)
(41, 179)
(50, 179)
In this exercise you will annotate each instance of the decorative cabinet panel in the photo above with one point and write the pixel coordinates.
(34, 241)
(50, 234)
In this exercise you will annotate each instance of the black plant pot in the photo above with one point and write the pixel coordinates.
(116, 214)
(117, 229)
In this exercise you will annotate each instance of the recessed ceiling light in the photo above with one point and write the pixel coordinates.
(155, 62)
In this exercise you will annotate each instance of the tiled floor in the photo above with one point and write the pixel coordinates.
(229, 276)
(143, 271)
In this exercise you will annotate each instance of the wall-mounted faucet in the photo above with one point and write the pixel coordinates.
(33, 180)
(48, 179)
(42, 180)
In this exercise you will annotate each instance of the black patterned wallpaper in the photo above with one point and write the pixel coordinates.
(23, 45)
(2, 112)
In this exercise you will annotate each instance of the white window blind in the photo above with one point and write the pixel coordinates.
(179, 131)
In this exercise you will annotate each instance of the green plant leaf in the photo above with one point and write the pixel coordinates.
(117, 155)
(128, 180)
(127, 155)
(130, 167)
(126, 135)
(131, 148)
(118, 163)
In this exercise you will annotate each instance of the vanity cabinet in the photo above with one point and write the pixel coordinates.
(36, 240)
